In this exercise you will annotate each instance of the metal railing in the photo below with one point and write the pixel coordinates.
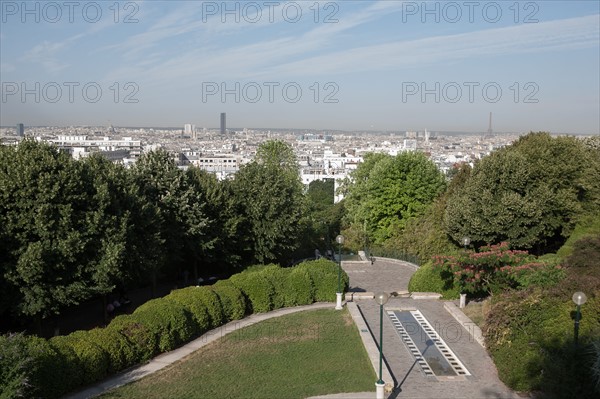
(393, 254)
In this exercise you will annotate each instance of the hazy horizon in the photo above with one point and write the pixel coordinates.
(347, 65)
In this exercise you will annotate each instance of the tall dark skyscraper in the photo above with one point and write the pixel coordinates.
(20, 130)
(223, 124)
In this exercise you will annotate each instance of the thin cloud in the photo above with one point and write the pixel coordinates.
(270, 59)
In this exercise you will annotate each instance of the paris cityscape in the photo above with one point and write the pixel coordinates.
(354, 199)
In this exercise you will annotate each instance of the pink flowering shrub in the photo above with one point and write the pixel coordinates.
(495, 268)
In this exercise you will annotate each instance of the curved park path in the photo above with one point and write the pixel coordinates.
(409, 380)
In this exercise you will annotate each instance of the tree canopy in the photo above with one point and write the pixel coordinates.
(530, 193)
(387, 191)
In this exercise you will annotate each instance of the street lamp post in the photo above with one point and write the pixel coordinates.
(340, 240)
(466, 240)
(579, 298)
(381, 298)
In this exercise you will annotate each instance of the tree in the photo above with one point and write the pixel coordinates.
(530, 194)
(220, 243)
(277, 153)
(176, 212)
(387, 191)
(61, 238)
(272, 204)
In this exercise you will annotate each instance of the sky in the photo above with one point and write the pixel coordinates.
(327, 65)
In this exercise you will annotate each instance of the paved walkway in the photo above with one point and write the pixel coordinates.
(410, 381)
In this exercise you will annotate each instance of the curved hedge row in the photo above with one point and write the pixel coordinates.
(41, 368)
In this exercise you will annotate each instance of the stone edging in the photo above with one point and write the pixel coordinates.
(370, 345)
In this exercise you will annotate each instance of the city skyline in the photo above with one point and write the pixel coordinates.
(373, 66)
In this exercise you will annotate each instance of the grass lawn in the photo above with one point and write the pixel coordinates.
(294, 356)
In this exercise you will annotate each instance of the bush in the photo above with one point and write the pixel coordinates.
(68, 370)
(589, 226)
(92, 360)
(46, 371)
(493, 269)
(121, 353)
(430, 279)
(299, 288)
(529, 334)
(584, 257)
(194, 301)
(232, 300)
(15, 364)
(324, 274)
(168, 321)
(138, 336)
(594, 353)
(257, 289)
(276, 276)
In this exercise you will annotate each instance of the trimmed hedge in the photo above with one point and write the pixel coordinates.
(35, 367)
(276, 276)
(324, 274)
(139, 338)
(202, 296)
(257, 289)
(67, 367)
(45, 377)
(232, 300)
(121, 353)
(169, 322)
(91, 359)
(299, 288)
(197, 302)
(429, 279)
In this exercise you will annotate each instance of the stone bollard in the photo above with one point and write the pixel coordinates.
(463, 300)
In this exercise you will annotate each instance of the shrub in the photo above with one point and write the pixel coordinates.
(139, 337)
(276, 276)
(589, 226)
(299, 288)
(46, 371)
(594, 352)
(430, 279)
(539, 274)
(205, 296)
(257, 289)
(168, 321)
(68, 370)
(232, 300)
(15, 364)
(324, 274)
(529, 334)
(91, 358)
(193, 300)
(121, 353)
(493, 269)
(584, 257)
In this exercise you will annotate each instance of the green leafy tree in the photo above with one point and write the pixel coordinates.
(530, 194)
(220, 243)
(272, 204)
(177, 214)
(60, 232)
(387, 191)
